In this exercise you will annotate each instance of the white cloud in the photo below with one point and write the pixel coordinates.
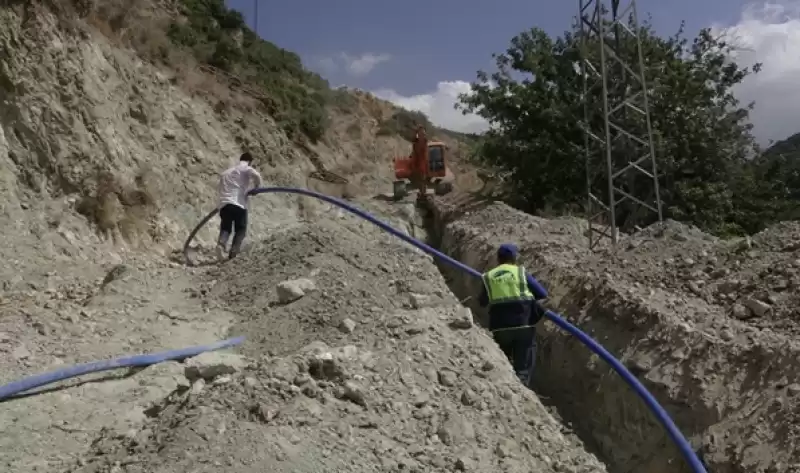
(438, 105)
(325, 64)
(354, 65)
(363, 64)
(769, 33)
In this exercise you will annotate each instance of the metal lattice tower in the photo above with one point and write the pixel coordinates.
(255, 17)
(621, 171)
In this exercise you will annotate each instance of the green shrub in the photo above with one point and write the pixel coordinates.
(404, 123)
(218, 36)
(342, 99)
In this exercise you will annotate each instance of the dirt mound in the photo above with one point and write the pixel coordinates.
(372, 366)
(707, 325)
(753, 279)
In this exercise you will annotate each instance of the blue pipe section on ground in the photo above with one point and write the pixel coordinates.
(650, 401)
(26, 384)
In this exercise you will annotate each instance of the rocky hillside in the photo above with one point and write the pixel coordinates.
(116, 118)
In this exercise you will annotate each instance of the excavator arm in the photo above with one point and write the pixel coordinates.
(427, 162)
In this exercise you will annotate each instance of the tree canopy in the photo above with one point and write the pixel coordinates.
(703, 141)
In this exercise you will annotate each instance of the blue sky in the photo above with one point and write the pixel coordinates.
(417, 45)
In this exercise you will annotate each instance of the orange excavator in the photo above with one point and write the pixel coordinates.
(426, 166)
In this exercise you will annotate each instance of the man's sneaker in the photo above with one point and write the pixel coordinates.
(220, 251)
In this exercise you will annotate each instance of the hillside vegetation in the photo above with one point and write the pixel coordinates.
(294, 96)
(298, 100)
(218, 36)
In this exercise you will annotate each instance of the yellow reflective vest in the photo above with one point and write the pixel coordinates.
(507, 283)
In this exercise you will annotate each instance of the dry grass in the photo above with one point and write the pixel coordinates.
(354, 131)
(137, 24)
(141, 25)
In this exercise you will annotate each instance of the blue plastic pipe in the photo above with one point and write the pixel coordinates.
(26, 384)
(641, 391)
(196, 229)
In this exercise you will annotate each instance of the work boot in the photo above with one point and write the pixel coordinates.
(220, 251)
(523, 378)
(236, 245)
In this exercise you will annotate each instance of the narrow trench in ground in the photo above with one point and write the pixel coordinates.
(434, 232)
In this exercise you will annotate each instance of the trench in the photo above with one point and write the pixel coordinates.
(581, 391)
(600, 406)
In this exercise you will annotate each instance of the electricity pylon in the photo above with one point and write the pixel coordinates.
(621, 170)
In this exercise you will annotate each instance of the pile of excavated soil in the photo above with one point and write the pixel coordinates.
(754, 279)
(357, 359)
(706, 325)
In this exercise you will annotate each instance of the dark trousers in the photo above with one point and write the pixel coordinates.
(233, 220)
(519, 346)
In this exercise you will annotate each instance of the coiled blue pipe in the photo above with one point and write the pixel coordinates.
(650, 401)
(26, 384)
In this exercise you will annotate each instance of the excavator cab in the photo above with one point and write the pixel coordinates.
(436, 161)
(426, 165)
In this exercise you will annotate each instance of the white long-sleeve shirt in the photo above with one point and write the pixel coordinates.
(234, 183)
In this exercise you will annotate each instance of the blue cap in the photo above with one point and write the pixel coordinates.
(508, 250)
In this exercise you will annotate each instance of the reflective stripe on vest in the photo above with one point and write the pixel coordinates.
(507, 283)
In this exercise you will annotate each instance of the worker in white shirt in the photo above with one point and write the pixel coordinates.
(234, 183)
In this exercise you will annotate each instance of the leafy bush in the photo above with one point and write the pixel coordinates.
(218, 36)
(404, 123)
(534, 99)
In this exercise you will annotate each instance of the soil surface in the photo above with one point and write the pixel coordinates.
(358, 358)
(709, 327)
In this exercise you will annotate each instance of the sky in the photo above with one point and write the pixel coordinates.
(420, 54)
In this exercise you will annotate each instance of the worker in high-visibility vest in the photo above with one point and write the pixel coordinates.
(510, 294)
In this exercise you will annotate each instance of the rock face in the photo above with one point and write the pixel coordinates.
(400, 389)
(708, 326)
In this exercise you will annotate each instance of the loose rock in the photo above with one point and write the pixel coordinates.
(347, 326)
(209, 365)
(292, 290)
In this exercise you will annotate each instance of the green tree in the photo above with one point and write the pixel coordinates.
(774, 177)
(534, 103)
